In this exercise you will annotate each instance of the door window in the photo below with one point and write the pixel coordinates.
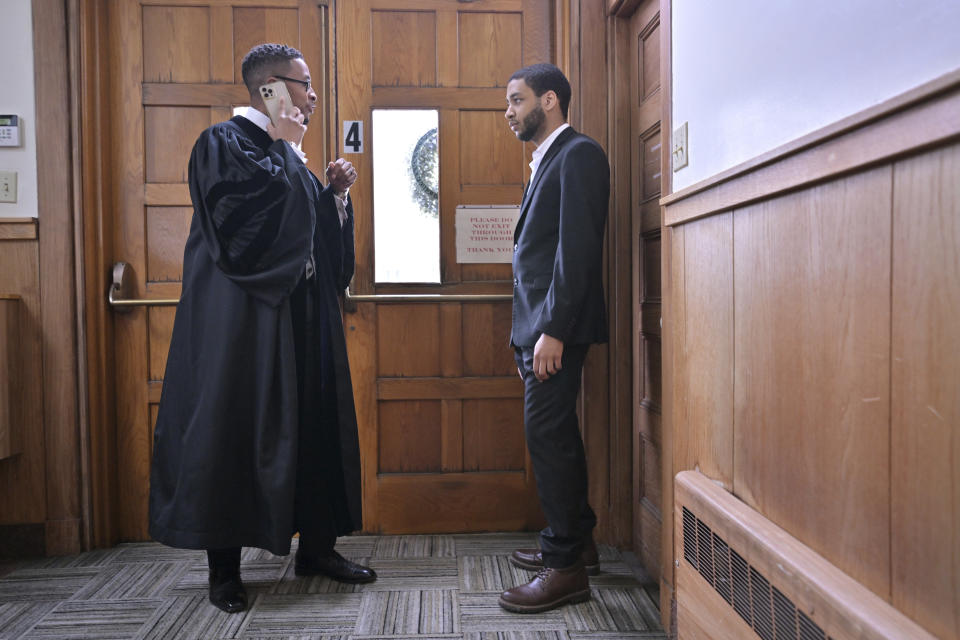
(406, 178)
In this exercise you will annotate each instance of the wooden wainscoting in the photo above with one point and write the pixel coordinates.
(815, 348)
(9, 373)
(22, 475)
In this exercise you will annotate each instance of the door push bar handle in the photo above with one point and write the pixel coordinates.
(119, 295)
(404, 298)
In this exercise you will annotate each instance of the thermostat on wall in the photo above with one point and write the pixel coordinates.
(9, 131)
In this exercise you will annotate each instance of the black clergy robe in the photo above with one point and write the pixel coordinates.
(227, 455)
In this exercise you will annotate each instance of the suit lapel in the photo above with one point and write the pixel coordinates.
(541, 170)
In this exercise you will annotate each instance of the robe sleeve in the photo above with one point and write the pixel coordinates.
(254, 206)
(349, 255)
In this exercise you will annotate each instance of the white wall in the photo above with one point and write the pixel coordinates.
(750, 75)
(17, 97)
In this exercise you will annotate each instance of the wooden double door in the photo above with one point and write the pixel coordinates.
(438, 399)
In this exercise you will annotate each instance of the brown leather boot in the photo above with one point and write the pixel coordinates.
(532, 559)
(549, 589)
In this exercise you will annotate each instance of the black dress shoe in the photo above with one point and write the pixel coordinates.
(226, 591)
(333, 565)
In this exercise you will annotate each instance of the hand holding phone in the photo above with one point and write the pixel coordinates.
(271, 93)
(286, 119)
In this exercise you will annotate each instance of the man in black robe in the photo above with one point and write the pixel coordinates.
(256, 436)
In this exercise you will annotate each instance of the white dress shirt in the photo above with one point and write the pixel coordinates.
(541, 150)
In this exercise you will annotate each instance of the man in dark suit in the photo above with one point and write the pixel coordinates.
(558, 311)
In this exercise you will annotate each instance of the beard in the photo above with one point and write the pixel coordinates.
(531, 124)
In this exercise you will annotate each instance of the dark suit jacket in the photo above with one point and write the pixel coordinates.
(557, 259)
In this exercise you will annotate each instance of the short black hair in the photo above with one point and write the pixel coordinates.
(543, 77)
(263, 61)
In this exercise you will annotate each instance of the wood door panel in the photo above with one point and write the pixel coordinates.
(255, 25)
(489, 152)
(160, 322)
(453, 388)
(486, 273)
(167, 231)
(649, 532)
(189, 95)
(651, 267)
(486, 330)
(169, 194)
(168, 137)
(650, 319)
(650, 164)
(491, 194)
(489, 43)
(429, 503)
(649, 64)
(405, 53)
(407, 343)
(171, 37)
(652, 389)
(651, 487)
(491, 440)
(409, 436)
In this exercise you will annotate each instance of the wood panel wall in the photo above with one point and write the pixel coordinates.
(9, 371)
(815, 347)
(41, 485)
(23, 475)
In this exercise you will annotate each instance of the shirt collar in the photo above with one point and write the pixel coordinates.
(257, 117)
(539, 152)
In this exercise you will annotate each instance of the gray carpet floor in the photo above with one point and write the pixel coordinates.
(430, 587)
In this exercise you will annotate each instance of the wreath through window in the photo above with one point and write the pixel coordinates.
(424, 170)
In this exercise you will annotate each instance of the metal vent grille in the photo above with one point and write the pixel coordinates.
(689, 537)
(770, 613)
(809, 629)
(721, 568)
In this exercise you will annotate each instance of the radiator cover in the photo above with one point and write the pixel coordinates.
(741, 576)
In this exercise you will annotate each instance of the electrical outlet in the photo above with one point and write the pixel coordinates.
(8, 186)
(681, 153)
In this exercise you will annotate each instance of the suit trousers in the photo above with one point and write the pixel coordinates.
(556, 451)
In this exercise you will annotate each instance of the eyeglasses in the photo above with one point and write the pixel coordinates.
(305, 83)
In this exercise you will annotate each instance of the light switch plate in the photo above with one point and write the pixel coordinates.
(8, 186)
(681, 153)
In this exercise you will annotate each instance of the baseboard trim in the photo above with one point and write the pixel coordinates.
(20, 541)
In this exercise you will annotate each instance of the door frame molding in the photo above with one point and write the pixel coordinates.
(621, 12)
(90, 97)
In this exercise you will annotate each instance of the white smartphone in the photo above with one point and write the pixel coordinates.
(271, 94)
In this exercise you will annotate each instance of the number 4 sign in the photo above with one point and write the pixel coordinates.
(353, 136)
